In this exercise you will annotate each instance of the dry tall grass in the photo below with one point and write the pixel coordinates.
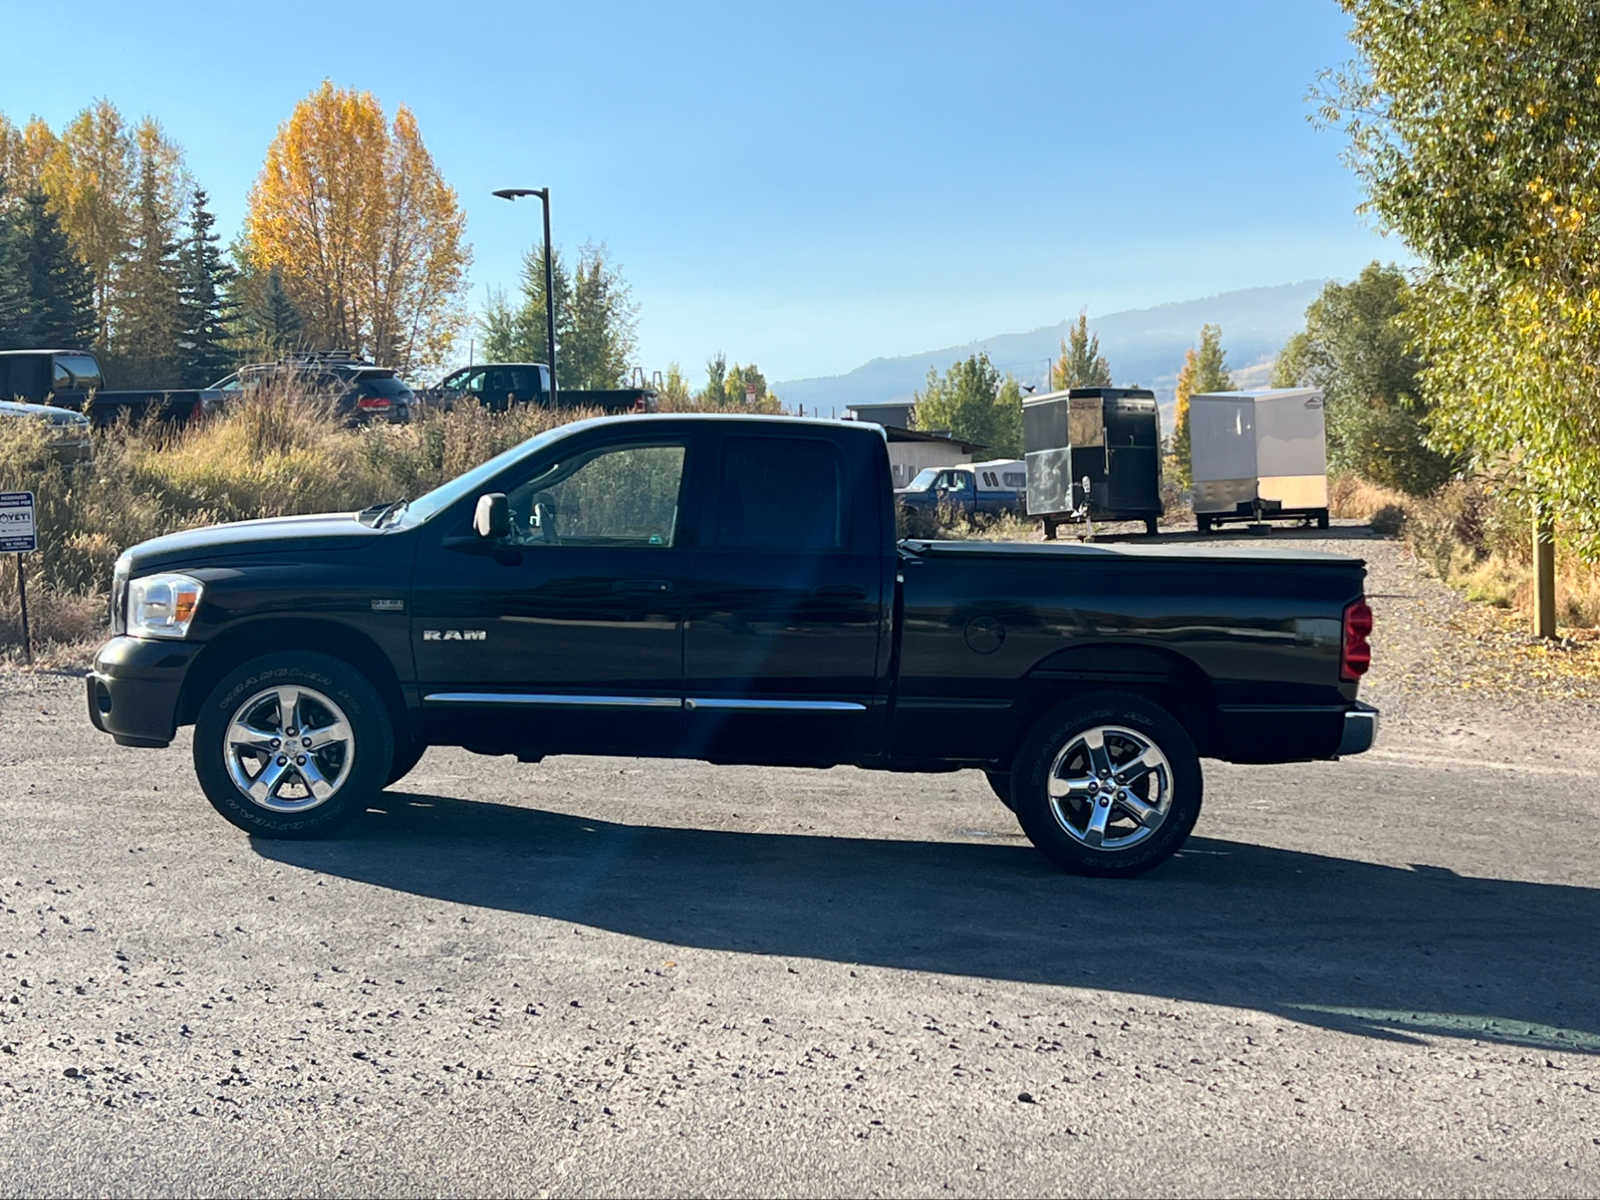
(269, 455)
(1475, 540)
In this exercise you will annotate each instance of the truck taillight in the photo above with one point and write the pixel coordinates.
(1357, 653)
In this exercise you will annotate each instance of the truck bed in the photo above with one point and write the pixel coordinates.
(1225, 631)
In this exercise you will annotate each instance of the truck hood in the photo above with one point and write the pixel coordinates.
(216, 544)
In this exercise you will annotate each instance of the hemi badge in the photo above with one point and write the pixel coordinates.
(388, 606)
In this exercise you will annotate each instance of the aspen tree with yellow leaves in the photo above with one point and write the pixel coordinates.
(367, 238)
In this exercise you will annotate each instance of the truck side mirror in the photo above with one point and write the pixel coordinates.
(493, 516)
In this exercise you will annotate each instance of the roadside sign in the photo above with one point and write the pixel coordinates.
(16, 523)
(749, 393)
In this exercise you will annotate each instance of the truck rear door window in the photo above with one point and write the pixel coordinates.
(779, 494)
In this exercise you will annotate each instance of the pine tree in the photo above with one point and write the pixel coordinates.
(1081, 364)
(13, 287)
(204, 309)
(54, 305)
(716, 376)
(149, 290)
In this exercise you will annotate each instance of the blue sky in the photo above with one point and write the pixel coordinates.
(808, 186)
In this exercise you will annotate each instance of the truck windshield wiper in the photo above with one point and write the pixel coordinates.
(376, 514)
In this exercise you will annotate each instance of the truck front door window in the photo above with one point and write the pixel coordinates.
(625, 496)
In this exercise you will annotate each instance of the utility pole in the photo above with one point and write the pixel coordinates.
(1544, 573)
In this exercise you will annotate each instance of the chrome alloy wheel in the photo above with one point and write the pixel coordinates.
(1110, 787)
(289, 748)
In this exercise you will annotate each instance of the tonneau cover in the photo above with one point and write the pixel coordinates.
(1197, 554)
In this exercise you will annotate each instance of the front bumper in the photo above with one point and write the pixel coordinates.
(134, 687)
(1360, 730)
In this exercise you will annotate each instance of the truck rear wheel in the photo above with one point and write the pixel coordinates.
(288, 745)
(1107, 785)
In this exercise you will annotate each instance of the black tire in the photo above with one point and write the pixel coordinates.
(1322, 518)
(1132, 719)
(1000, 785)
(1150, 526)
(408, 753)
(367, 753)
(1049, 530)
(1203, 524)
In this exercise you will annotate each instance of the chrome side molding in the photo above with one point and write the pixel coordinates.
(692, 704)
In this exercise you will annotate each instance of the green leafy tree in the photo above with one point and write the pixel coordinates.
(1355, 347)
(738, 384)
(1081, 364)
(972, 402)
(1204, 370)
(204, 311)
(1475, 130)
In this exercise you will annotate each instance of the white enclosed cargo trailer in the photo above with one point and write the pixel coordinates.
(1258, 455)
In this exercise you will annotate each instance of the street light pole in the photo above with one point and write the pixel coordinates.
(549, 275)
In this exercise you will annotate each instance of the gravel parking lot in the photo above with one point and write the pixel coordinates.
(646, 978)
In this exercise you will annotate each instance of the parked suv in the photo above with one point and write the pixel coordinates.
(356, 390)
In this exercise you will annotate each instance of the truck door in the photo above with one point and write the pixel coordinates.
(567, 632)
(963, 495)
(783, 619)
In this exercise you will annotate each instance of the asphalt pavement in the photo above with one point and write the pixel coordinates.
(649, 978)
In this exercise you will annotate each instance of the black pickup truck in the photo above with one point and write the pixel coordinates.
(72, 379)
(655, 586)
(499, 386)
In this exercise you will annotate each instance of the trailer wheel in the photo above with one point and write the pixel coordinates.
(1049, 530)
(1108, 784)
(1203, 524)
(1322, 518)
(1150, 526)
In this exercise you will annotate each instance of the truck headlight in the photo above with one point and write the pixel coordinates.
(162, 606)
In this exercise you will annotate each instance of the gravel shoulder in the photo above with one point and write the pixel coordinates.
(630, 977)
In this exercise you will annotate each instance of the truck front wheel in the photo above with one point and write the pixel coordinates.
(288, 745)
(1107, 785)
(408, 753)
(1000, 785)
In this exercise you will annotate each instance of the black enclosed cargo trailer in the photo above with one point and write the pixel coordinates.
(1110, 437)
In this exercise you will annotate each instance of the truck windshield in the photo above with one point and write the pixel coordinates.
(924, 480)
(470, 484)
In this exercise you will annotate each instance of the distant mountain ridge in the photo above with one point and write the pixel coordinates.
(1144, 346)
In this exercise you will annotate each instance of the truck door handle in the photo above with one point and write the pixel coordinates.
(646, 586)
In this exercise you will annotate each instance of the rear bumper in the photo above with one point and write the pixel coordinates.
(134, 687)
(1252, 733)
(1360, 730)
